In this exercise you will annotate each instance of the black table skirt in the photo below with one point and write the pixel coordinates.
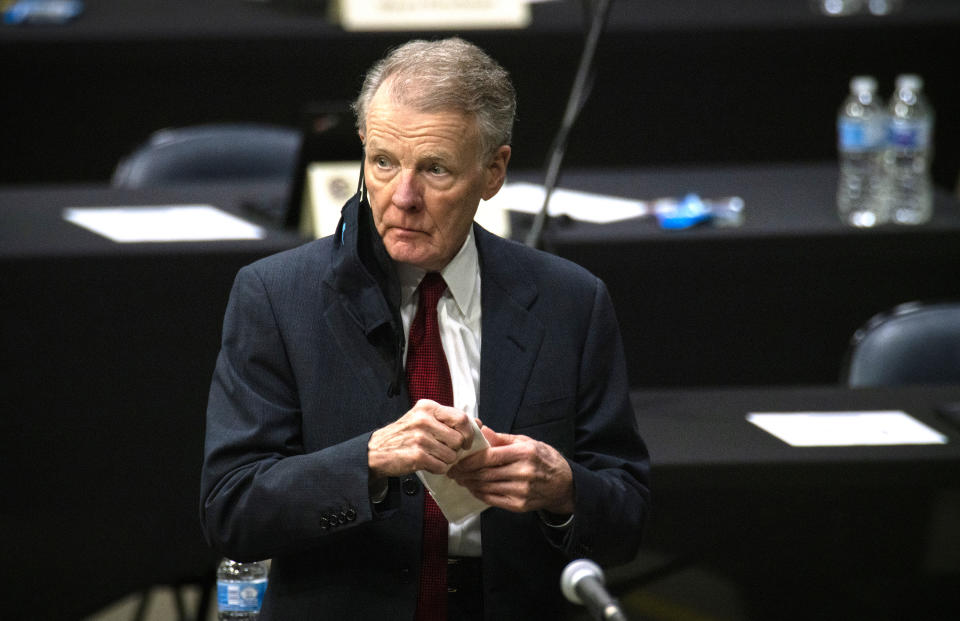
(801, 533)
(106, 355)
(774, 301)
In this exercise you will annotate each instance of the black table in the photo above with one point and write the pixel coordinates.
(106, 354)
(774, 301)
(815, 532)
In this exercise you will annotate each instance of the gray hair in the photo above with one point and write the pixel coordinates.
(450, 74)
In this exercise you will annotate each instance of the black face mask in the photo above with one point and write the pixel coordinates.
(375, 257)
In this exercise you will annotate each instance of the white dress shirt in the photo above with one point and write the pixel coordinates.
(458, 315)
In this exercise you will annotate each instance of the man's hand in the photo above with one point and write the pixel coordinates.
(425, 438)
(517, 473)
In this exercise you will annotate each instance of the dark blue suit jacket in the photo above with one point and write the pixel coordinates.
(308, 369)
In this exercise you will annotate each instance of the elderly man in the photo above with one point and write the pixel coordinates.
(352, 363)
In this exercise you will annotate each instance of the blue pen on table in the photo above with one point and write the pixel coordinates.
(41, 11)
(691, 210)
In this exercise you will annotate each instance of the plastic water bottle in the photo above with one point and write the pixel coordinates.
(240, 589)
(884, 7)
(909, 152)
(840, 8)
(861, 135)
(837, 8)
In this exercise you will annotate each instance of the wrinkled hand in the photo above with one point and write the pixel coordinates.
(517, 473)
(425, 438)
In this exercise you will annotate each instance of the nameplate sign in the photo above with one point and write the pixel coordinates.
(368, 15)
(328, 186)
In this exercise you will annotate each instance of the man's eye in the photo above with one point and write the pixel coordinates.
(382, 162)
(437, 169)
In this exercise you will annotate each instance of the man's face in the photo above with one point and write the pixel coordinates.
(425, 179)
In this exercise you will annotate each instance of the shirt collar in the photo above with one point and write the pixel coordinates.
(460, 274)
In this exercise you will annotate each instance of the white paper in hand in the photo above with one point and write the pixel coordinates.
(456, 501)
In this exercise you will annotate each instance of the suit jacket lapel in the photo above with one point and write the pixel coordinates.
(512, 335)
(369, 363)
(361, 331)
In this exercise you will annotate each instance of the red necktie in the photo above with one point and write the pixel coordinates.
(428, 377)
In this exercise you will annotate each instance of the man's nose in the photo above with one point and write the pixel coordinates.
(407, 193)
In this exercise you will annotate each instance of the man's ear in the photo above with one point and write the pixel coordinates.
(496, 172)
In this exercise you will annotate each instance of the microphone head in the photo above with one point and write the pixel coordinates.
(573, 573)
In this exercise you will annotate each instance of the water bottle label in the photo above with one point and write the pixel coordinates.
(859, 135)
(909, 134)
(244, 596)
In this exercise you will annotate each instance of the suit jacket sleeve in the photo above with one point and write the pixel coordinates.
(610, 462)
(261, 492)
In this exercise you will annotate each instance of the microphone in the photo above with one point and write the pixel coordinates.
(582, 583)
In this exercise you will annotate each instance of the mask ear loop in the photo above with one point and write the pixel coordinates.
(361, 186)
(361, 192)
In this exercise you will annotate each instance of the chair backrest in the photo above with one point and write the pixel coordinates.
(915, 343)
(210, 153)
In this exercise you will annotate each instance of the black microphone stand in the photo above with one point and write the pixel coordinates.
(582, 85)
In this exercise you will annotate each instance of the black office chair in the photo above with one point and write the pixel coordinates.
(212, 152)
(220, 152)
(914, 343)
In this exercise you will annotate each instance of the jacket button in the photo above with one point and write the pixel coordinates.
(410, 486)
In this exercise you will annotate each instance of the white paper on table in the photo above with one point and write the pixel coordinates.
(162, 223)
(583, 206)
(456, 501)
(873, 428)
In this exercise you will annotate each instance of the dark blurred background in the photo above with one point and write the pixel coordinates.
(679, 81)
